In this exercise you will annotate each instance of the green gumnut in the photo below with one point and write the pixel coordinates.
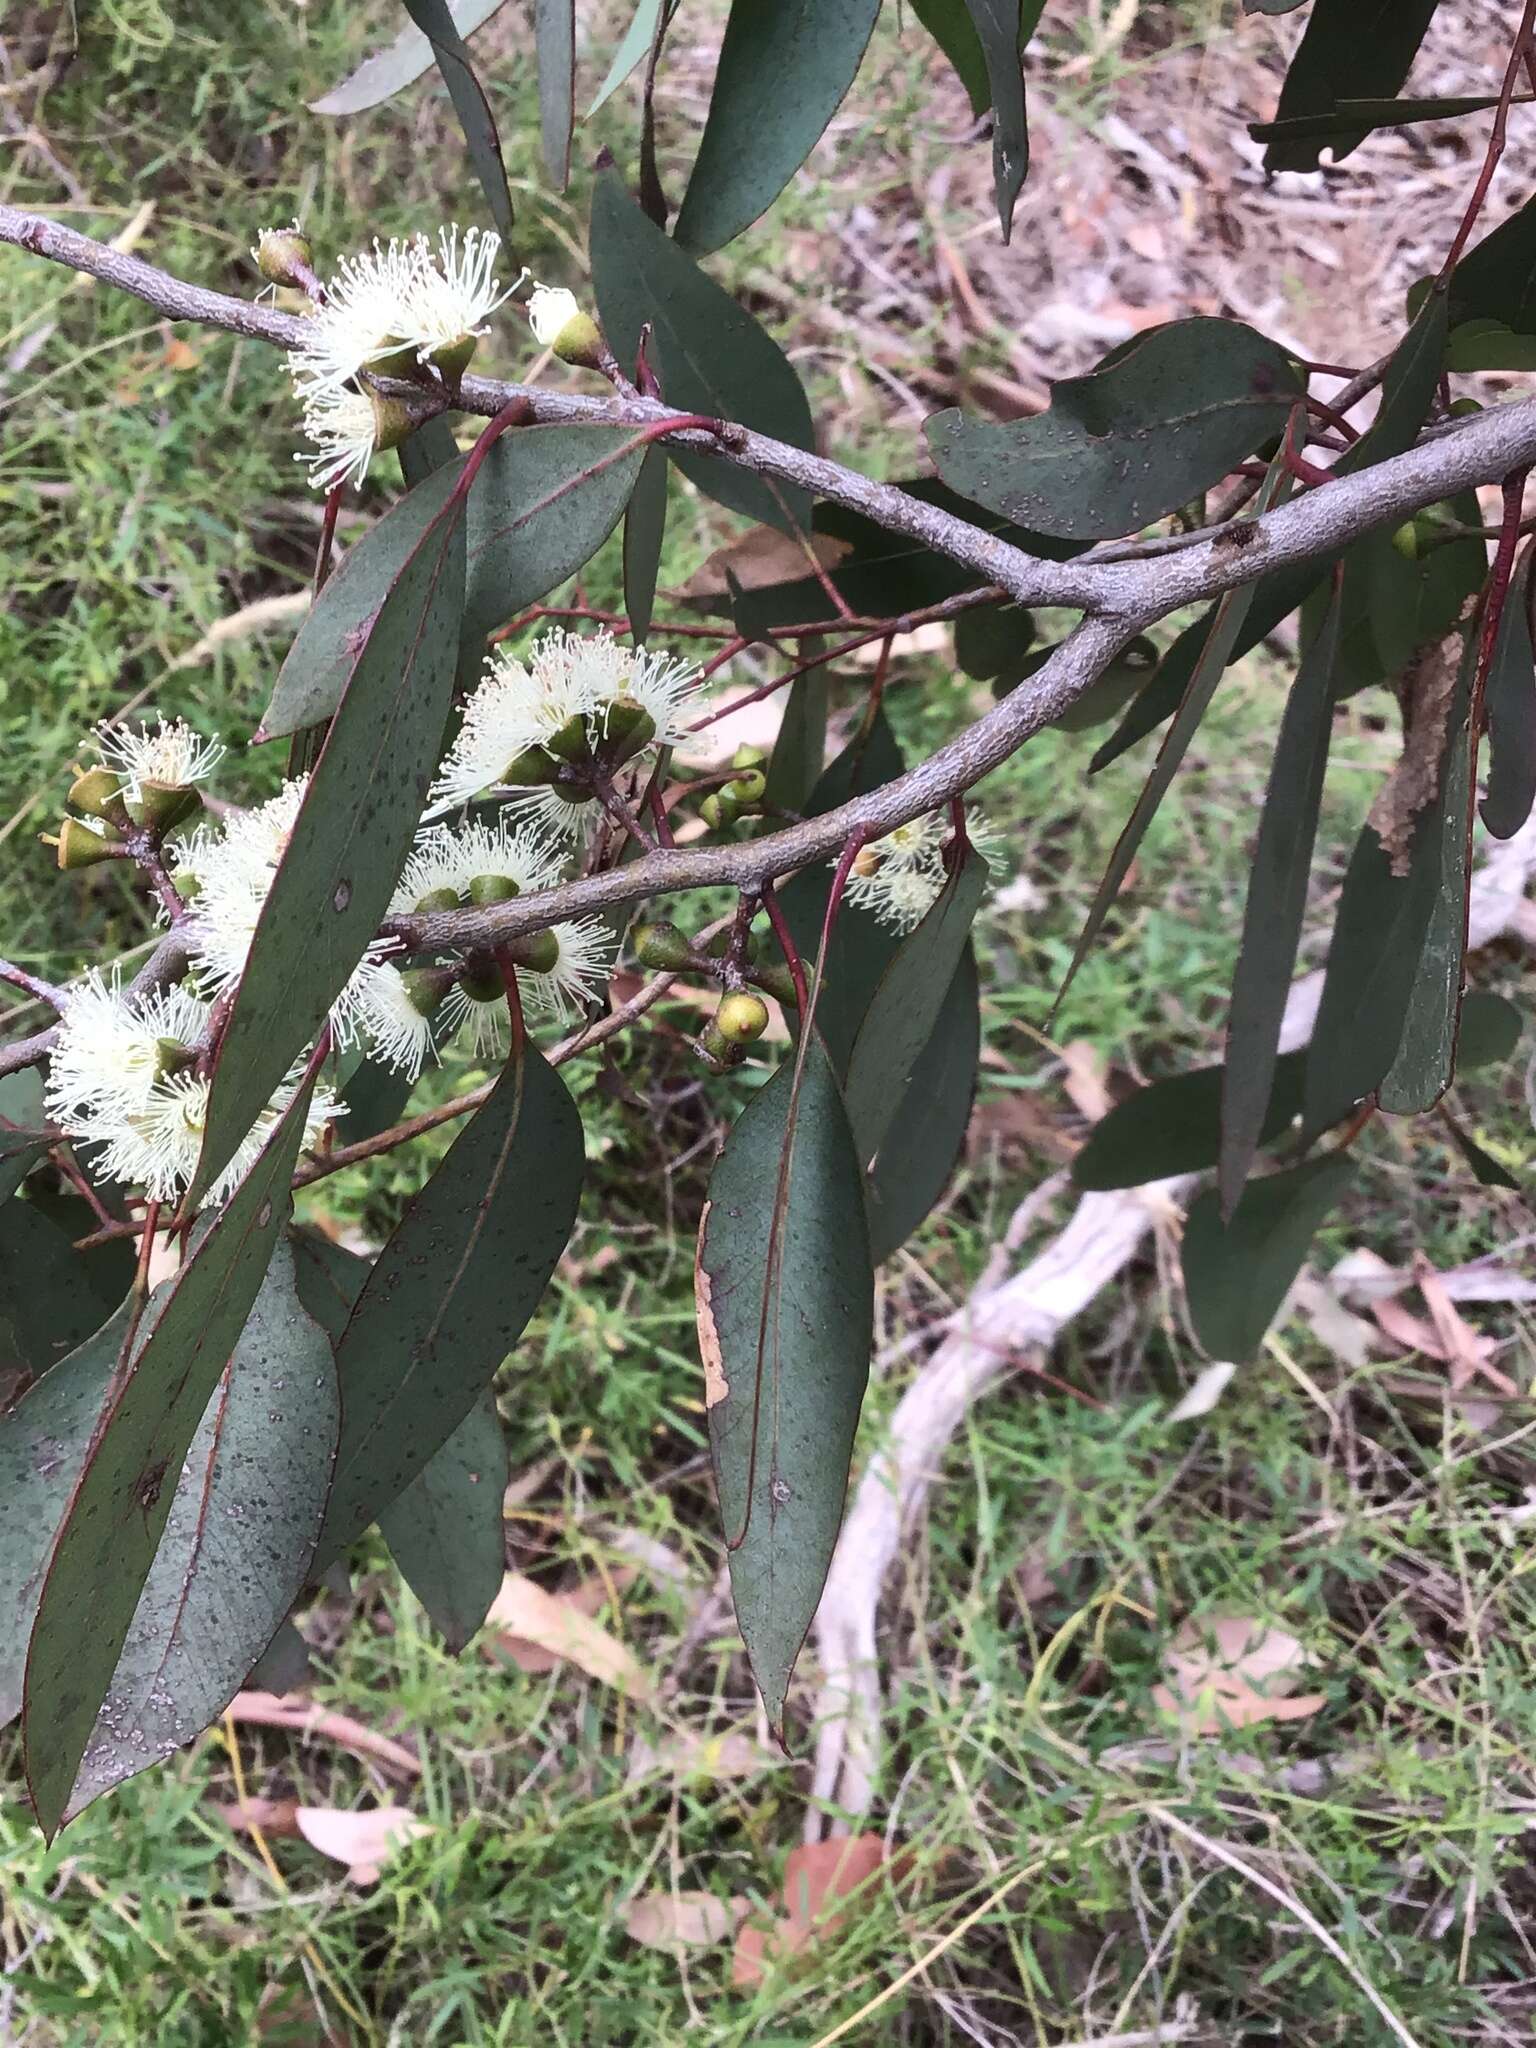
(662, 946)
(741, 1018)
(491, 889)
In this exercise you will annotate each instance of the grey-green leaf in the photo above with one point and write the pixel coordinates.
(1276, 904)
(1496, 279)
(949, 23)
(237, 1543)
(784, 69)
(1166, 419)
(1237, 1274)
(1174, 1126)
(112, 1526)
(554, 28)
(645, 529)
(470, 104)
(1356, 117)
(1352, 49)
(711, 355)
(445, 1530)
(350, 837)
(920, 1151)
(786, 1305)
(1511, 705)
(633, 45)
(398, 64)
(1003, 27)
(52, 1296)
(19, 1153)
(800, 748)
(905, 1009)
(545, 500)
(1490, 1030)
(452, 1291)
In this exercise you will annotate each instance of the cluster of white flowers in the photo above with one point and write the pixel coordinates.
(574, 694)
(123, 1079)
(173, 755)
(900, 877)
(390, 309)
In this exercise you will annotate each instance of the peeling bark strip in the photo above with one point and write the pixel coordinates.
(716, 1386)
(1428, 691)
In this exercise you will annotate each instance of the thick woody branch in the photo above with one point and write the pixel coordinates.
(1482, 450)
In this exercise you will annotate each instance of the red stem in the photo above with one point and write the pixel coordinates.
(787, 947)
(1518, 57)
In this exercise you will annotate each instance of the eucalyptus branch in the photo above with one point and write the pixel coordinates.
(1481, 450)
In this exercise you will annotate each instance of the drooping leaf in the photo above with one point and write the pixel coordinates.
(1496, 279)
(470, 104)
(1003, 27)
(452, 1290)
(1167, 418)
(398, 64)
(801, 746)
(1352, 49)
(922, 1147)
(1359, 116)
(544, 501)
(633, 46)
(445, 1530)
(43, 1442)
(1490, 1030)
(949, 23)
(1425, 1062)
(1407, 391)
(375, 1098)
(554, 28)
(1277, 902)
(786, 1303)
(349, 839)
(862, 947)
(905, 1008)
(1487, 1171)
(711, 355)
(1236, 1275)
(1489, 345)
(784, 69)
(1174, 1126)
(1510, 700)
(992, 643)
(51, 1296)
(1227, 619)
(117, 1511)
(237, 1543)
(645, 528)
(283, 1665)
(431, 447)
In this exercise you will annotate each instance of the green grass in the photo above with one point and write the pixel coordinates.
(1068, 1534)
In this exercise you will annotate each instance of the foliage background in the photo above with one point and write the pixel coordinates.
(146, 493)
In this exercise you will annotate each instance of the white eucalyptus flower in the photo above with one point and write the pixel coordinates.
(111, 1048)
(483, 1017)
(344, 426)
(156, 1145)
(899, 877)
(578, 973)
(452, 861)
(452, 295)
(395, 1029)
(173, 754)
(550, 308)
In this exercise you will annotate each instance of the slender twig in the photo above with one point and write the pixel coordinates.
(42, 991)
(1495, 150)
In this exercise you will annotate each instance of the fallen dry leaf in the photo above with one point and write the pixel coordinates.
(1466, 1351)
(682, 1920)
(1207, 1390)
(528, 1625)
(687, 1755)
(760, 559)
(1230, 1671)
(817, 1877)
(1084, 1071)
(364, 1840)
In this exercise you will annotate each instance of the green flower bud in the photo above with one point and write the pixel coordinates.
(83, 842)
(437, 899)
(1463, 408)
(538, 951)
(630, 728)
(482, 984)
(531, 769)
(162, 806)
(98, 793)
(558, 323)
(742, 1018)
(172, 1057)
(663, 945)
(776, 978)
(1405, 539)
(425, 988)
(749, 757)
(572, 743)
(453, 358)
(748, 789)
(284, 256)
(492, 889)
(714, 1043)
(718, 809)
(393, 420)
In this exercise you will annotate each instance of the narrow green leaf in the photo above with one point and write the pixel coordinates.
(452, 1291)
(1425, 1062)
(1230, 611)
(1277, 902)
(645, 528)
(237, 1543)
(904, 1011)
(51, 1296)
(711, 355)
(1174, 1126)
(283, 1665)
(470, 104)
(949, 23)
(1490, 1030)
(1358, 117)
(1489, 345)
(445, 1531)
(1354, 49)
(1120, 447)
(1486, 1170)
(784, 69)
(117, 1511)
(1003, 27)
(920, 1151)
(1104, 699)
(431, 447)
(800, 749)
(375, 1097)
(1236, 1275)
(1271, 6)
(786, 1307)
(43, 1441)
(1496, 279)
(634, 44)
(554, 29)
(398, 64)
(545, 500)
(1511, 706)
(350, 837)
